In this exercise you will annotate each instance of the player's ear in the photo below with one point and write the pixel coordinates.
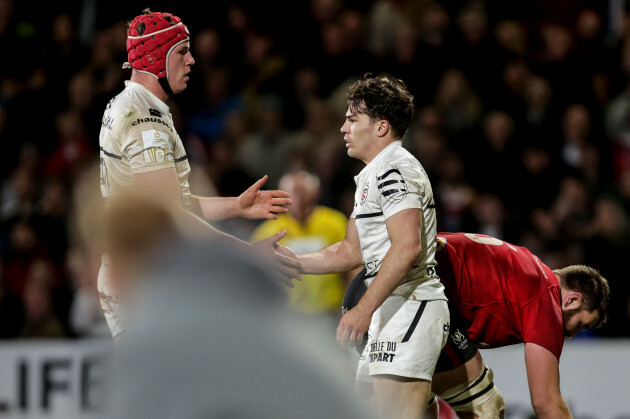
(382, 127)
(572, 300)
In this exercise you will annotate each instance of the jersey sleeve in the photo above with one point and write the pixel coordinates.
(148, 143)
(399, 187)
(543, 323)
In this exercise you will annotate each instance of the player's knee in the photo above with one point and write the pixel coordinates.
(479, 397)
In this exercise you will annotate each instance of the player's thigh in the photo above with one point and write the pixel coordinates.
(406, 337)
(400, 396)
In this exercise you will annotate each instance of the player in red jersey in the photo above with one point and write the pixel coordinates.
(501, 294)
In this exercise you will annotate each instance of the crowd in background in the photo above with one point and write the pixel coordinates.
(522, 123)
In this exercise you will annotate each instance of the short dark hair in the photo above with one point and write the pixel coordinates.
(382, 97)
(591, 284)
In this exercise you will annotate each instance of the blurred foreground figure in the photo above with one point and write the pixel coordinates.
(225, 347)
(140, 146)
(499, 295)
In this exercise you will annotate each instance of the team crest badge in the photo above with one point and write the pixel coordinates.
(364, 194)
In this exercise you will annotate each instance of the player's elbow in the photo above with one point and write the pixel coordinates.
(550, 406)
(409, 251)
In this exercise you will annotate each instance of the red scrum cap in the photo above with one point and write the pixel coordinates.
(150, 39)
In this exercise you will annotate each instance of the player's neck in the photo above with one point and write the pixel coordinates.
(151, 83)
(380, 145)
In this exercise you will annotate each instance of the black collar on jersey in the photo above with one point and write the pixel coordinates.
(165, 86)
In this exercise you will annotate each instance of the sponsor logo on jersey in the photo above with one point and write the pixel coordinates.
(157, 148)
(111, 299)
(155, 112)
(108, 121)
(145, 120)
(392, 185)
(372, 264)
(459, 339)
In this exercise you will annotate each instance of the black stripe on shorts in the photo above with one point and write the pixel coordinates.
(415, 321)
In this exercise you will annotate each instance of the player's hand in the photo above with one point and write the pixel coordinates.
(282, 259)
(353, 326)
(257, 204)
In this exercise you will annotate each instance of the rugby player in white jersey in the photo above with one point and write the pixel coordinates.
(139, 147)
(392, 232)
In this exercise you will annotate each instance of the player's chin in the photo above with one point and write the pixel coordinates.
(180, 87)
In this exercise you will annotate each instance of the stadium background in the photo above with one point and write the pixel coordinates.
(522, 123)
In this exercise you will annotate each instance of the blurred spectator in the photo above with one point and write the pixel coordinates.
(616, 120)
(310, 227)
(86, 319)
(271, 140)
(495, 153)
(608, 249)
(22, 246)
(458, 105)
(557, 61)
(539, 121)
(576, 134)
(488, 216)
(538, 173)
(431, 52)
(382, 17)
(19, 193)
(73, 147)
(40, 320)
(453, 195)
(427, 140)
(209, 122)
(475, 51)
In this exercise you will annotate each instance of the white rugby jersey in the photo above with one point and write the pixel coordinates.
(392, 182)
(137, 135)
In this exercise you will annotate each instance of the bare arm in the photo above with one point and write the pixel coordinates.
(405, 248)
(338, 257)
(543, 377)
(166, 182)
(253, 203)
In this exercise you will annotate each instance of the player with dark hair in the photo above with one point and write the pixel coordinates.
(501, 294)
(392, 232)
(140, 146)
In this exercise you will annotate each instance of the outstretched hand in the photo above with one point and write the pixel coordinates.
(257, 204)
(282, 259)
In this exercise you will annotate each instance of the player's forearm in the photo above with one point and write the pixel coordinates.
(398, 261)
(195, 226)
(218, 208)
(552, 408)
(338, 257)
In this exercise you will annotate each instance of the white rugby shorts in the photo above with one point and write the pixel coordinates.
(405, 339)
(109, 299)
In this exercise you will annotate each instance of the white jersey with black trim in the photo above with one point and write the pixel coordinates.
(392, 182)
(137, 135)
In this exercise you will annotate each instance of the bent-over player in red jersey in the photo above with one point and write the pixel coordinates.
(500, 294)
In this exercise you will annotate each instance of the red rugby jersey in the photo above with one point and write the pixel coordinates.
(503, 292)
